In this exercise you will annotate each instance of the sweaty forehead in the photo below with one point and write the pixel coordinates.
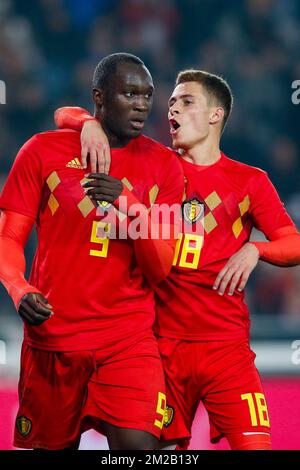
(135, 75)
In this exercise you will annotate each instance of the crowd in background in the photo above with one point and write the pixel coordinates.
(49, 48)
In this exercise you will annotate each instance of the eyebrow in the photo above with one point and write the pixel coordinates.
(173, 99)
(134, 85)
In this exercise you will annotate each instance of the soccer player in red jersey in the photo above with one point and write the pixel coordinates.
(202, 319)
(89, 357)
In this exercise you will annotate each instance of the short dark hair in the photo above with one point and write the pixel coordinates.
(215, 86)
(108, 66)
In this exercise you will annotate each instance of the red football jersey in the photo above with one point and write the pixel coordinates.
(97, 291)
(229, 198)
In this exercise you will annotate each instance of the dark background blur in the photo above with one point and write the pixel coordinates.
(49, 49)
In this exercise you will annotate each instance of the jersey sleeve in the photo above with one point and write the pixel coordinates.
(23, 188)
(283, 249)
(14, 231)
(155, 256)
(155, 253)
(267, 211)
(72, 117)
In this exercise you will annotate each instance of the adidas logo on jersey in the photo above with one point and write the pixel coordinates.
(75, 163)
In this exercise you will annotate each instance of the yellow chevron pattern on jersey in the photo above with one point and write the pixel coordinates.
(75, 163)
(237, 226)
(53, 181)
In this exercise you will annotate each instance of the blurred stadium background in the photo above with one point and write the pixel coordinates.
(48, 50)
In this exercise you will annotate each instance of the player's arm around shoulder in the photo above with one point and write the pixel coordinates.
(94, 142)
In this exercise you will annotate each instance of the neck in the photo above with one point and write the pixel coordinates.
(114, 140)
(205, 153)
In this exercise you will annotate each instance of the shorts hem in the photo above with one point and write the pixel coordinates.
(218, 437)
(42, 445)
(183, 437)
(194, 338)
(94, 422)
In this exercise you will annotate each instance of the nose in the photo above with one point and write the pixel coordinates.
(173, 111)
(141, 104)
(174, 108)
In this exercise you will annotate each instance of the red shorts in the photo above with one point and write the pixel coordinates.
(64, 393)
(223, 376)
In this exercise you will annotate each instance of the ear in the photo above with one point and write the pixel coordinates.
(216, 116)
(98, 97)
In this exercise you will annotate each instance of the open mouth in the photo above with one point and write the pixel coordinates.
(137, 124)
(174, 126)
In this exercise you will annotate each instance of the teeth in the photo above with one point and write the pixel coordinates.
(174, 125)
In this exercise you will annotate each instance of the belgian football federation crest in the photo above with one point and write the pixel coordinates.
(168, 416)
(24, 425)
(104, 205)
(192, 210)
